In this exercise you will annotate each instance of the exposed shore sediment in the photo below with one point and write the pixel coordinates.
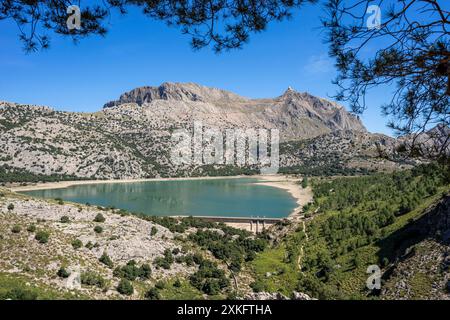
(291, 185)
(66, 184)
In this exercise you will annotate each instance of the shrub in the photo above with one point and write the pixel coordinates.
(42, 236)
(168, 256)
(131, 271)
(197, 258)
(59, 201)
(356, 261)
(235, 266)
(65, 219)
(77, 244)
(89, 245)
(305, 182)
(152, 294)
(257, 286)
(106, 260)
(160, 262)
(160, 285)
(63, 273)
(31, 228)
(19, 294)
(306, 207)
(166, 261)
(188, 259)
(177, 283)
(99, 218)
(16, 229)
(125, 287)
(153, 231)
(250, 256)
(209, 278)
(146, 271)
(211, 287)
(98, 229)
(92, 279)
(10, 207)
(232, 295)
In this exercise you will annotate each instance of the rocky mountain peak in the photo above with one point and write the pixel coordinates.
(290, 92)
(289, 89)
(440, 129)
(175, 91)
(298, 115)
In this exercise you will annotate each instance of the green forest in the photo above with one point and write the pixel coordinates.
(11, 175)
(350, 225)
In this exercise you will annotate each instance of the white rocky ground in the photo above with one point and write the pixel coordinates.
(124, 238)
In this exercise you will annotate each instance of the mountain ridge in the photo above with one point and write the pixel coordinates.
(297, 115)
(134, 141)
(174, 91)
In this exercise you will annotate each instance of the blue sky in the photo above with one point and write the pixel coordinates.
(138, 51)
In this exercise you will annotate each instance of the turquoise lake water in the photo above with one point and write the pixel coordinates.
(239, 197)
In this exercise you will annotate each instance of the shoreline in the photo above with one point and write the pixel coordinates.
(289, 184)
(70, 183)
(302, 196)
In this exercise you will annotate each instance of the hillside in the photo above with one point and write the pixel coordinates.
(55, 250)
(422, 263)
(399, 222)
(131, 137)
(297, 115)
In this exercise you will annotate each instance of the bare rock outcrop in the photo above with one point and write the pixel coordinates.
(131, 137)
(297, 115)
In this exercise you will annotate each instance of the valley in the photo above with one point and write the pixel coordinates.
(43, 242)
(349, 199)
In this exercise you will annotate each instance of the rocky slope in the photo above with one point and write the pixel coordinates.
(297, 115)
(430, 144)
(131, 137)
(50, 249)
(123, 238)
(421, 270)
(88, 252)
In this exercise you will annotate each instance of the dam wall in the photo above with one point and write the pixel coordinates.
(253, 224)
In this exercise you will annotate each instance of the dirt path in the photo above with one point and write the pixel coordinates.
(300, 256)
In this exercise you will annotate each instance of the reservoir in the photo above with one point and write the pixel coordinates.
(228, 197)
